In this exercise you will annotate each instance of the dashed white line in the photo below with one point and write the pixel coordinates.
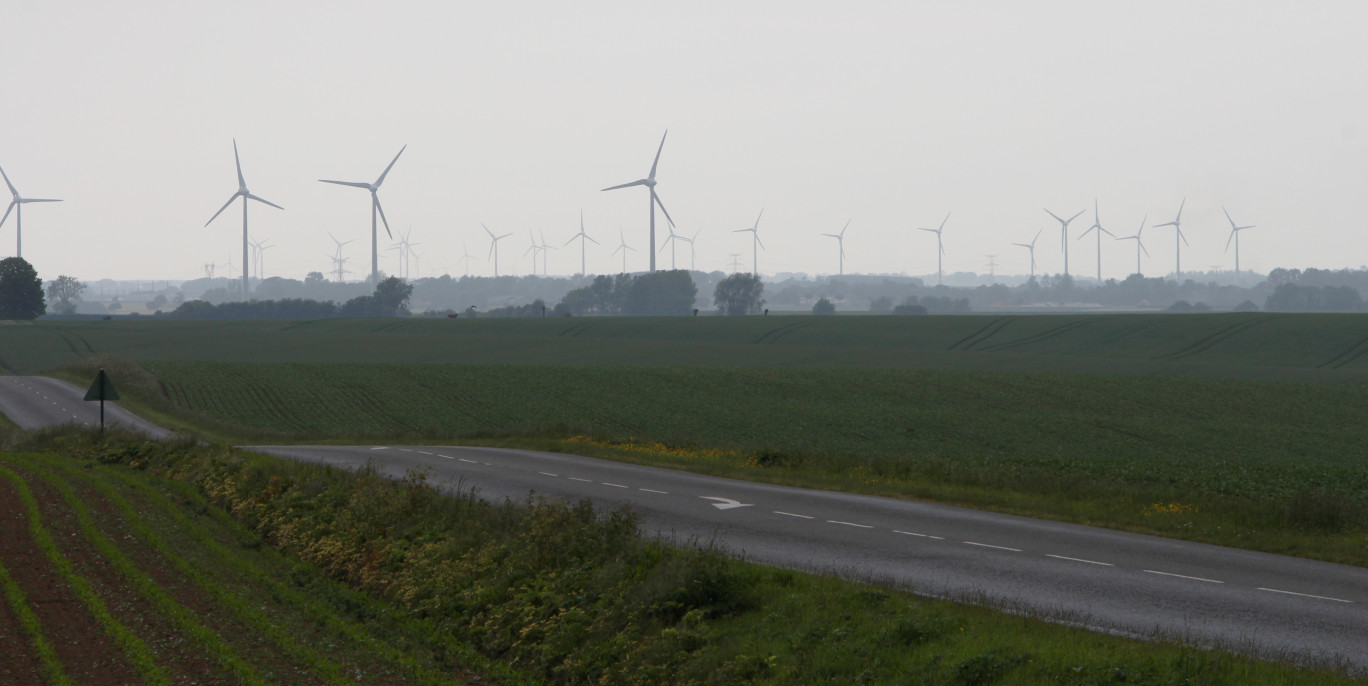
(548, 474)
(587, 481)
(650, 490)
(1184, 576)
(468, 461)
(605, 483)
(423, 453)
(447, 457)
(1079, 559)
(858, 526)
(791, 514)
(913, 533)
(1306, 595)
(995, 547)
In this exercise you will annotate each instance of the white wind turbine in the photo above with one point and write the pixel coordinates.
(534, 249)
(465, 257)
(650, 183)
(1235, 236)
(1064, 235)
(840, 240)
(375, 207)
(756, 245)
(545, 250)
(494, 247)
(583, 237)
(940, 249)
(17, 205)
(692, 254)
(622, 248)
(259, 249)
(246, 195)
(1139, 245)
(1097, 226)
(1031, 247)
(672, 239)
(1177, 225)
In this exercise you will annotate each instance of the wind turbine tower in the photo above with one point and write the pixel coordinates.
(583, 237)
(17, 204)
(246, 195)
(1031, 247)
(1177, 225)
(840, 241)
(1064, 235)
(650, 183)
(1097, 226)
(375, 208)
(1235, 236)
(756, 244)
(940, 249)
(494, 247)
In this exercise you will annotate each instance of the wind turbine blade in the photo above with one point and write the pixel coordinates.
(376, 199)
(221, 209)
(1164, 224)
(355, 184)
(942, 248)
(1142, 226)
(1180, 235)
(1037, 237)
(1077, 215)
(13, 192)
(1227, 214)
(238, 162)
(657, 157)
(942, 224)
(843, 228)
(24, 200)
(1229, 239)
(572, 240)
(1180, 209)
(743, 230)
(1099, 228)
(385, 173)
(1052, 214)
(1085, 233)
(638, 182)
(757, 218)
(661, 204)
(591, 239)
(268, 202)
(16, 202)
(760, 242)
(936, 231)
(486, 228)
(1143, 248)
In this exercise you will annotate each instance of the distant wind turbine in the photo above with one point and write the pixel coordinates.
(1097, 226)
(1031, 247)
(246, 195)
(692, 253)
(1139, 245)
(650, 183)
(534, 249)
(673, 239)
(375, 207)
(1235, 236)
(583, 237)
(494, 247)
(17, 205)
(940, 249)
(1064, 235)
(1177, 225)
(545, 250)
(840, 240)
(465, 257)
(756, 245)
(622, 248)
(259, 249)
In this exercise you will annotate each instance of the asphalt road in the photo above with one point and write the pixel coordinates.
(34, 402)
(1107, 580)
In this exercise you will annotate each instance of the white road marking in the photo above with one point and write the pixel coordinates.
(858, 526)
(996, 547)
(910, 533)
(1078, 559)
(404, 450)
(468, 461)
(547, 474)
(790, 514)
(724, 503)
(605, 483)
(649, 490)
(1306, 595)
(1183, 576)
(587, 481)
(423, 453)
(379, 448)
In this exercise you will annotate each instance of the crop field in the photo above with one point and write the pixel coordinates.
(112, 577)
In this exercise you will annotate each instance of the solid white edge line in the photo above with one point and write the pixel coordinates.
(859, 526)
(1079, 559)
(605, 483)
(997, 547)
(790, 514)
(910, 533)
(547, 474)
(648, 490)
(1184, 576)
(1305, 595)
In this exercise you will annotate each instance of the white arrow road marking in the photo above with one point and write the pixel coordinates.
(724, 503)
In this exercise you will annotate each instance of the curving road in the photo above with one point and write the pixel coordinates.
(1106, 580)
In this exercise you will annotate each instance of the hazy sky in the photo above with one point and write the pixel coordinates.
(890, 114)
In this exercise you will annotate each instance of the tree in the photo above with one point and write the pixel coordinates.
(823, 306)
(392, 297)
(664, 293)
(739, 294)
(64, 292)
(21, 291)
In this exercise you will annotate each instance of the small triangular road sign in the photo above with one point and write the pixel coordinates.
(102, 389)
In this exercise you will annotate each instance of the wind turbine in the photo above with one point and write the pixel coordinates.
(756, 244)
(259, 249)
(494, 247)
(584, 237)
(650, 183)
(1235, 236)
(1064, 235)
(940, 249)
(1139, 246)
(245, 195)
(1031, 246)
(1177, 225)
(375, 207)
(534, 249)
(1097, 226)
(623, 248)
(692, 253)
(465, 257)
(545, 249)
(17, 204)
(840, 240)
(673, 239)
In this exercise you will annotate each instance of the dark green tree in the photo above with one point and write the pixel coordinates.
(21, 291)
(64, 292)
(391, 297)
(661, 294)
(739, 294)
(823, 306)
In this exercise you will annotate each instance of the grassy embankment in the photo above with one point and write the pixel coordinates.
(391, 582)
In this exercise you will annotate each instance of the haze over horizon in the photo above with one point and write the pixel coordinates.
(886, 114)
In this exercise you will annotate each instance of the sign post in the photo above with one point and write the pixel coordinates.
(102, 390)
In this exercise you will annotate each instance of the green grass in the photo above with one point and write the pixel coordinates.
(575, 596)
